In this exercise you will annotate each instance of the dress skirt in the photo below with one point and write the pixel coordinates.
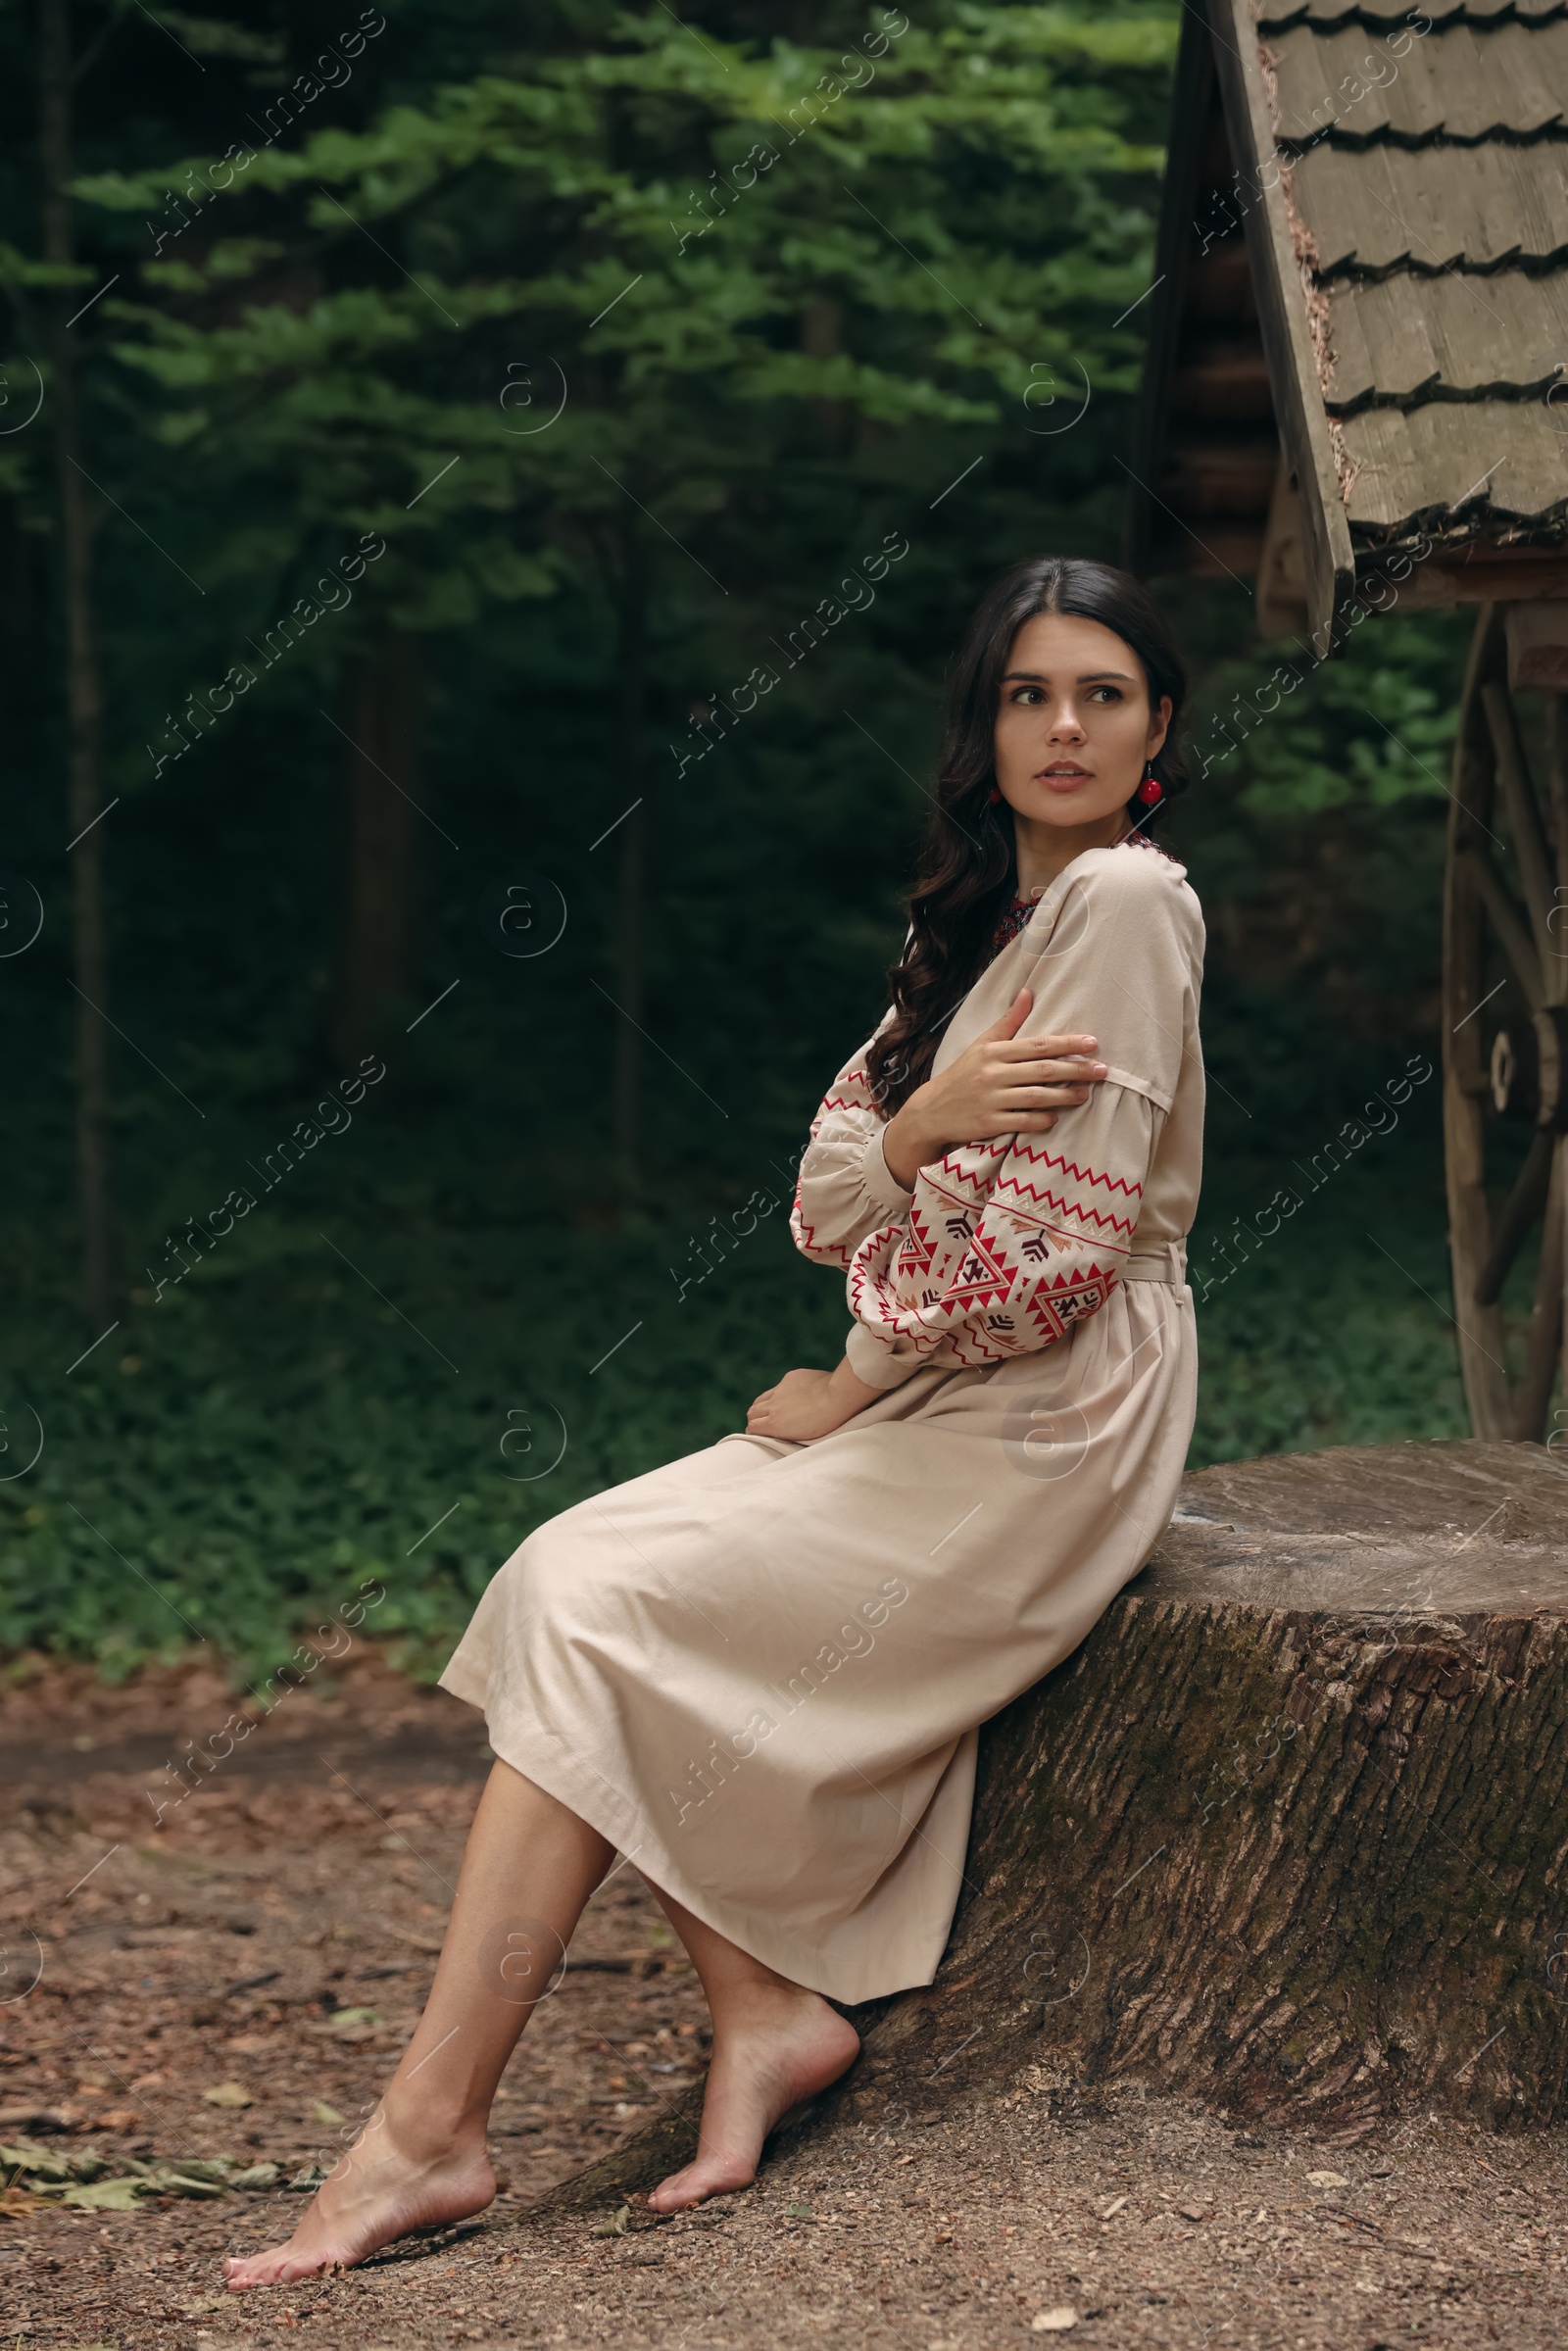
(759, 1670)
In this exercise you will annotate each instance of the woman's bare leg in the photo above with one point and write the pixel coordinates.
(528, 1868)
(775, 2045)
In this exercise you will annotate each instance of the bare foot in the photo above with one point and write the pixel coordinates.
(376, 2192)
(782, 2050)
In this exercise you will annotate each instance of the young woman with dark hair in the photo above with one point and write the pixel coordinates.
(760, 1672)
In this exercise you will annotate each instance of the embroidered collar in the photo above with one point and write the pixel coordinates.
(1012, 922)
(1015, 915)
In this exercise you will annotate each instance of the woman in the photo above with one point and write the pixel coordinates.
(759, 1672)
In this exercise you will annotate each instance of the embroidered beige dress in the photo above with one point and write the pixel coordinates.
(759, 1670)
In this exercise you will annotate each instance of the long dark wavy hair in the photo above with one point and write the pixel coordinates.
(967, 871)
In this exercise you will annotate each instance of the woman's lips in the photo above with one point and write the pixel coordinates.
(1063, 780)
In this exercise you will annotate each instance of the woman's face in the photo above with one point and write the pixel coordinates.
(1074, 725)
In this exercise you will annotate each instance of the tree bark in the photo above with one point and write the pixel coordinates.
(83, 682)
(631, 880)
(1287, 1832)
(382, 717)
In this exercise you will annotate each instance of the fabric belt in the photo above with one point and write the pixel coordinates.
(1161, 1261)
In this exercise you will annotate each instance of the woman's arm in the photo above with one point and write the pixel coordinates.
(845, 1190)
(808, 1404)
(1002, 1084)
(1010, 1241)
(1006, 1251)
(858, 1176)
(858, 1172)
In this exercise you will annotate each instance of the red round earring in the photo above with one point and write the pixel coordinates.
(995, 793)
(1151, 789)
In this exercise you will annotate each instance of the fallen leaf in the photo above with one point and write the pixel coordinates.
(326, 2116)
(119, 2117)
(255, 2175)
(351, 2024)
(100, 2195)
(614, 2224)
(799, 2212)
(228, 2094)
(1327, 2180)
(1053, 2321)
(167, 2179)
(39, 2163)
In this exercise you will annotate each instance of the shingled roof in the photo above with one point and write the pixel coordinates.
(1358, 331)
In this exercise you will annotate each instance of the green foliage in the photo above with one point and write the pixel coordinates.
(245, 1457)
(1372, 729)
(770, 366)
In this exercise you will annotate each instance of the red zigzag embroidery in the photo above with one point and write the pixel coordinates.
(1080, 1175)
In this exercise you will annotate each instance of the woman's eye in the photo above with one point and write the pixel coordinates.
(1114, 691)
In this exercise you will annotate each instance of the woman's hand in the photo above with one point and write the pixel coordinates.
(808, 1404)
(1002, 1084)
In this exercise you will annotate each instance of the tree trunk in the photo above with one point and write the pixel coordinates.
(631, 881)
(1286, 1833)
(383, 710)
(83, 685)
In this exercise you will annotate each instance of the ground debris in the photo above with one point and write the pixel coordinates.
(1126, 2219)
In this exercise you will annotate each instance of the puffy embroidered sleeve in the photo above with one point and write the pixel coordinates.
(846, 1191)
(1010, 1241)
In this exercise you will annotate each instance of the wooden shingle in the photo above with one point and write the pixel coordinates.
(1431, 208)
(1386, 16)
(1391, 186)
(1429, 464)
(1465, 81)
(1404, 337)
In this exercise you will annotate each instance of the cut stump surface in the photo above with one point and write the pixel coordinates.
(1286, 1833)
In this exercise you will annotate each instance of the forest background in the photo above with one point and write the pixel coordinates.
(488, 495)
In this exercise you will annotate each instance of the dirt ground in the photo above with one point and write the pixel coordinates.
(270, 1941)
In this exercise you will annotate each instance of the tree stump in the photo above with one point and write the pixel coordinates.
(1286, 1832)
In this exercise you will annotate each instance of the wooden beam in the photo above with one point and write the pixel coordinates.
(1219, 286)
(1213, 478)
(1282, 567)
(1479, 573)
(1538, 645)
(1277, 281)
(1229, 385)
